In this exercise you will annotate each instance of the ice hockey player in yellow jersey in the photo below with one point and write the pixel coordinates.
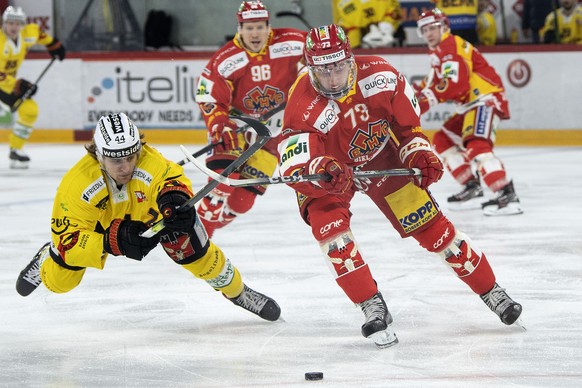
(16, 38)
(109, 198)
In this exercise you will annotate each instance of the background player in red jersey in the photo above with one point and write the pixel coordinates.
(461, 74)
(250, 75)
(361, 113)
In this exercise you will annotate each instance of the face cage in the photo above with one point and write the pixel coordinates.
(351, 80)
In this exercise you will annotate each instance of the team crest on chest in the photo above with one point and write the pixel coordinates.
(263, 100)
(366, 141)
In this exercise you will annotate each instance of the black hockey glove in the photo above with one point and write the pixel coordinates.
(123, 238)
(21, 88)
(56, 49)
(170, 201)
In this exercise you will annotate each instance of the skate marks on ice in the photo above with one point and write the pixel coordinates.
(150, 324)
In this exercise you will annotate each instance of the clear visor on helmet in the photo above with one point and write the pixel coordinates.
(423, 28)
(334, 80)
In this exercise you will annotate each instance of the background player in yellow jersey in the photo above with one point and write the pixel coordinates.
(369, 23)
(567, 20)
(486, 26)
(16, 38)
(109, 198)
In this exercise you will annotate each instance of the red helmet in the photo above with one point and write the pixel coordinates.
(327, 50)
(252, 11)
(433, 16)
(327, 44)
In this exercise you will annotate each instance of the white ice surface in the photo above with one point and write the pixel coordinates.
(151, 324)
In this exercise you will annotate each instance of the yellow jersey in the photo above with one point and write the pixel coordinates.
(569, 26)
(462, 14)
(87, 200)
(354, 15)
(12, 53)
(486, 29)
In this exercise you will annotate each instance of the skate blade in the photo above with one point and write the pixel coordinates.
(471, 204)
(384, 339)
(512, 208)
(519, 323)
(16, 165)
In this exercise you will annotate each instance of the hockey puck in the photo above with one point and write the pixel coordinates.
(314, 376)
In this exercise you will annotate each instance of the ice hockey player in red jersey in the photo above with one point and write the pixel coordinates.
(250, 75)
(459, 73)
(360, 113)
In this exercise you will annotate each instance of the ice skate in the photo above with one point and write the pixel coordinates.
(501, 304)
(469, 198)
(378, 325)
(29, 278)
(258, 304)
(505, 203)
(18, 159)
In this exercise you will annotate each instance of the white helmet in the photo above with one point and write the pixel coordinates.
(15, 14)
(116, 137)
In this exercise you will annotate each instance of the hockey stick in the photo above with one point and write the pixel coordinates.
(263, 136)
(294, 178)
(210, 146)
(27, 94)
(503, 21)
(295, 15)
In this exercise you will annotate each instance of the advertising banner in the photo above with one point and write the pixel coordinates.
(154, 94)
(543, 90)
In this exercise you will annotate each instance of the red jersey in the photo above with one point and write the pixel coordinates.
(250, 83)
(461, 74)
(381, 110)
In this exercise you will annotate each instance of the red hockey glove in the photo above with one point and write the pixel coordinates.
(224, 136)
(418, 154)
(426, 99)
(342, 176)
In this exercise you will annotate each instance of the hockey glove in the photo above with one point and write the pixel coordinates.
(56, 49)
(418, 154)
(224, 136)
(170, 201)
(21, 88)
(123, 238)
(341, 176)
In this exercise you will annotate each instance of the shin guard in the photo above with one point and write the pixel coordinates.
(492, 171)
(458, 164)
(345, 262)
(217, 271)
(469, 263)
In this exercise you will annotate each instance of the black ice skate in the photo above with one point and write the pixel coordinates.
(468, 198)
(258, 304)
(18, 159)
(504, 203)
(501, 304)
(378, 325)
(29, 278)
